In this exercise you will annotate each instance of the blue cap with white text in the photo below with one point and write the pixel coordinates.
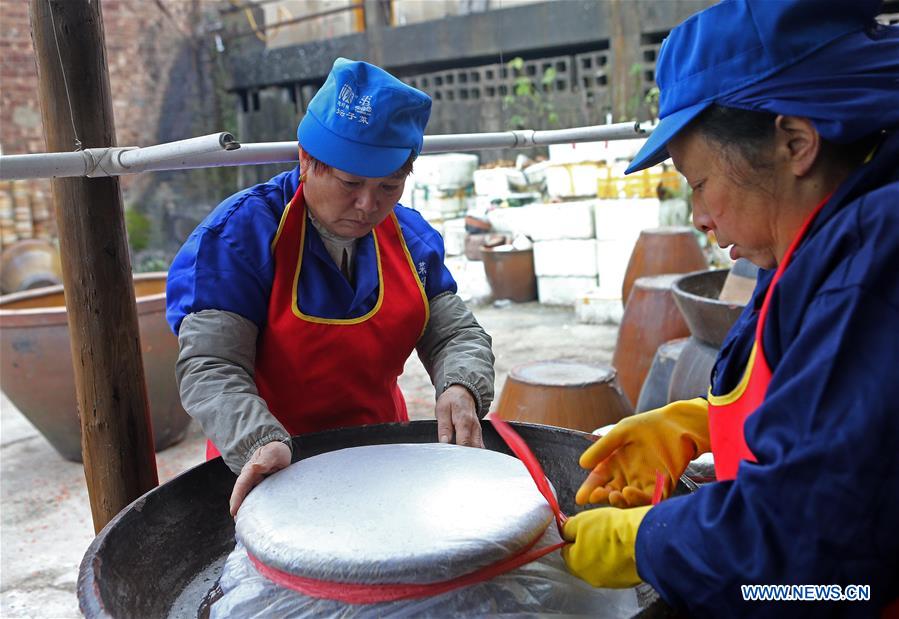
(828, 61)
(364, 121)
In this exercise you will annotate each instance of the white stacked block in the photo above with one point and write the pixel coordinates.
(544, 222)
(454, 237)
(594, 307)
(623, 219)
(437, 205)
(446, 171)
(576, 152)
(595, 151)
(511, 221)
(618, 226)
(565, 258)
(573, 180)
(493, 182)
(563, 290)
(612, 258)
(565, 220)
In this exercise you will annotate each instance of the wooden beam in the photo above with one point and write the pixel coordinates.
(116, 438)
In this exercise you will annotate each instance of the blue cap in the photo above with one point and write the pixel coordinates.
(735, 44)
(364, 121)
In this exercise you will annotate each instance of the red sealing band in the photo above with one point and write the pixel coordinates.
(355, 593)
(524, 453)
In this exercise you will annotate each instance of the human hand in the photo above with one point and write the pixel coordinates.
(268, 459)
(626, 460)
(456, 411)
(604, 546)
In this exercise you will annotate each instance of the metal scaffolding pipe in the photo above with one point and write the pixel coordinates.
(43, 165)
(114, 161)
(220, 149)
(161, 156)
(529, 138)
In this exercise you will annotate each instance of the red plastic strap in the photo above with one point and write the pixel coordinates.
(524, 453)
(784, 263)
(353, 593)
(660, 485)
(374, 593)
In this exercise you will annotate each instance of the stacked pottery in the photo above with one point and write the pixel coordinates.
(36, 364)
(654, 393)
(662, 250)
(709, 320)
(650, 319)
(29, 264)
(510, 272)
(567, 394)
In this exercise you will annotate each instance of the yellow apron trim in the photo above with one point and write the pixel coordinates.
(281, 224)
(421, 288)
(736, 394)
(295, 306)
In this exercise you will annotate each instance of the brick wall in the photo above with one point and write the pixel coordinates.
(157, 56)
(142, 40)
(20, 116)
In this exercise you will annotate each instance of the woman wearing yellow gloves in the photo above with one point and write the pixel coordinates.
(782, 116)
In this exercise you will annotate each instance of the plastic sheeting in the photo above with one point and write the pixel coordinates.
(404, 514)
(542, 587)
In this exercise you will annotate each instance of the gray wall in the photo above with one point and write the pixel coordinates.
(603, 52)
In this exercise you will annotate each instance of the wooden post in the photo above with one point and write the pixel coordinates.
(374, 30)
(624, 31)
(116, 438)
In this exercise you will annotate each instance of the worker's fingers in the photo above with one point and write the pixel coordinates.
(597, 478)
(268, 459)
(570, 528)
(582, 497)
(604, 492)
(246, 481)
(602, 473)
(604, 447)
(607, 476)
(634, 497)
(601, 494)
(455, 410)
(444, 424)
(468, 429)
(616, 499)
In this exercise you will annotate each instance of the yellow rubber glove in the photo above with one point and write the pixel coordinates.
(625, 460)
(604, 545)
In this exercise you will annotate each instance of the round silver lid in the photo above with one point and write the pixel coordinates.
(401, 513)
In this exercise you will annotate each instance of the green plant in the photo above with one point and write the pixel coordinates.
(150, 264)
(649, 100)
(527, 105)
(138, 226)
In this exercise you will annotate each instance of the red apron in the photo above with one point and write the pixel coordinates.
(323, 373)
(728, 413)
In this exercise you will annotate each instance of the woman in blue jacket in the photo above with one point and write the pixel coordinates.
(783, 118)
(298, 301)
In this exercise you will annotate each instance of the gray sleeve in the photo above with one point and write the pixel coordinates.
(215, 372)
(456, 350)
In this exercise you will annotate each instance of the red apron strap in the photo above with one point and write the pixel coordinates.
(728, 414)
(318, 373)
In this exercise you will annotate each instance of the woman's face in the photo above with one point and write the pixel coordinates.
(729, 197)
(348, 205)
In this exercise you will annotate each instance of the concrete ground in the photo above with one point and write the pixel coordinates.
(45, 520)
